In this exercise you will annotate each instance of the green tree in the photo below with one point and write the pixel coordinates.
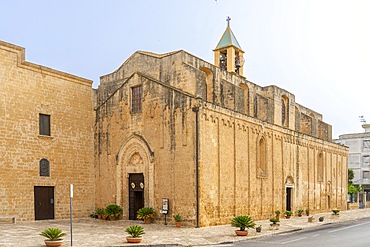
(352, 188)
(351, 175)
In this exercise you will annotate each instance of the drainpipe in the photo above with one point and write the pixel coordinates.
(196, 110)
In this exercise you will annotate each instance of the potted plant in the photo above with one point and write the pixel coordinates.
(274, 224)
(335, 211)
(300, 212)
(310, 219)
(178, 220)
(259, 228)
(94, 215)
(135, 234)
(54, 236)
(321, 218)
(243, 222)
(307, 212)
(104, 216)
(277, 214)
(100, 212)
(288, 214)
(146, 213)
(113, 211)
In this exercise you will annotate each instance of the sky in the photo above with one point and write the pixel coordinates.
(319, 50)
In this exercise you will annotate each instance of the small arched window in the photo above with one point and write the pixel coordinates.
(261, 158)
(44, 168)
(320, 167)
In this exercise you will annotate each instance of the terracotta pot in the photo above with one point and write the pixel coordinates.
(53, 243)
(133, 240)
(112, 218)
(99, 216)
(287, 216)
(299, 215)
(274, 226)
(241, 233)
(147, 220)
(103, 217)
(333, 216)
(178, 224)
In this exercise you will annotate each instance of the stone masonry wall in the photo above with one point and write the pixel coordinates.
(230, 185)
(161, 135)
(25, 91)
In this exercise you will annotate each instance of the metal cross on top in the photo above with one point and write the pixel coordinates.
(228, 19)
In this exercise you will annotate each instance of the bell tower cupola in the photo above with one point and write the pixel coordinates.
(228, 53)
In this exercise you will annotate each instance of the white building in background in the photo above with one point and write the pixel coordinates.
(359, 156)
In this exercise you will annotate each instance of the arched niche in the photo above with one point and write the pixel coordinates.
(284, 111)
(209, 83)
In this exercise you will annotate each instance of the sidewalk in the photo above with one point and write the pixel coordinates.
(94, 233)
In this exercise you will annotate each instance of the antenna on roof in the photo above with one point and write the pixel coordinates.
(362, 119)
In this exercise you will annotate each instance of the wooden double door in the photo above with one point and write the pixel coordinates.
(44, 202)
(136, 194)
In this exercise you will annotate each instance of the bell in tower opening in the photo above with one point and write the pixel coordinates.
(237, 63)
(223, 60)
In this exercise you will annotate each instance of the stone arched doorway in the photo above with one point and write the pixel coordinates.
(289, 186)
(135, 180)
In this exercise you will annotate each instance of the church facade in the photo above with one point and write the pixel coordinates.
(215, 144)
(165, 127)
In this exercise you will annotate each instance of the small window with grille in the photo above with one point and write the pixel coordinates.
(136, 99)
(44, 168)
(365, 160)
(366, 144)
(44, 123)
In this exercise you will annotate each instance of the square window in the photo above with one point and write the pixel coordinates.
(44, 122)
(366, 174)
(136, 99)
(366, 160)
(366, 143)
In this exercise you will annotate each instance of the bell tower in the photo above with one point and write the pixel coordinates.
(228, 53)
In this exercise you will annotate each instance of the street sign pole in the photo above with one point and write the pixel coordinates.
(70, 209)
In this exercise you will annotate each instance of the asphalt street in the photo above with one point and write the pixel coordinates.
(350, 234)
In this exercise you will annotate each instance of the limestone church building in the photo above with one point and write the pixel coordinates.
(162, 126)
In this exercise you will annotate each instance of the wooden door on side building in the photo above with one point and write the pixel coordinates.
(136, 194)
(44, 202)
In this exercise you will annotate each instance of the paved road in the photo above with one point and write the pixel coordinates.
(349, 234)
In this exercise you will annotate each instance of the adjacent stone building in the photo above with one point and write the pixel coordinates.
(162, 126)
(212, 142)
(46, 140)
